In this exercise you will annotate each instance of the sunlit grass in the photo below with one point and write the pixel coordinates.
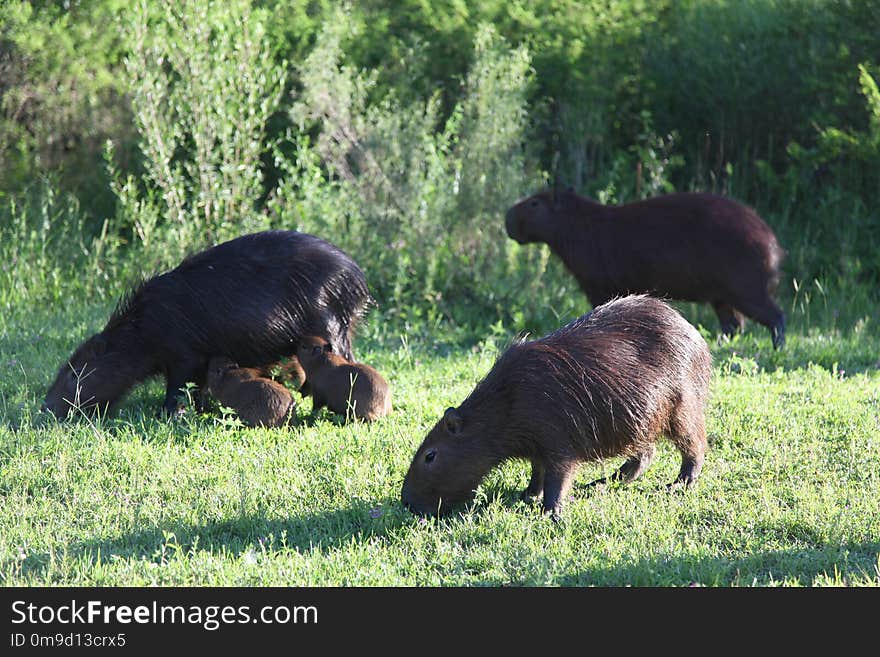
(788, 496)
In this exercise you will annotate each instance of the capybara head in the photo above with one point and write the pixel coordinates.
(534, 219)
(448, 466)
(218, 366)
(311, 350)
(93, 378)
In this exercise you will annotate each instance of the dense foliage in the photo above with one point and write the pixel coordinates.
(402, 130)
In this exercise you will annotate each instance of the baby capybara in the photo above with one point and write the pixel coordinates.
(687, 246)
(250, 299)
(607, 384)
(257, 400)
(344, 387)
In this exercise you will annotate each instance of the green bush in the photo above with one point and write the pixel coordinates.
(202, 87)
(417, 199)
(60, 95)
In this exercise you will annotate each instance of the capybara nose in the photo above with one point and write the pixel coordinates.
(508, 224)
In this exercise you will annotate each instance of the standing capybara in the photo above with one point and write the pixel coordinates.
(258, 401)
(607, 384)
(692, 247)
(250, 299)
(344, 387)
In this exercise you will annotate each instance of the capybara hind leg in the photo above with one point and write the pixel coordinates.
(732, 321)
(690, 470)
(557, 483)
(633, 468)
(536, 484)
(693, 453)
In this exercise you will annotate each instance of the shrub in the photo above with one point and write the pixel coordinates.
(417, 200)
(202, 86)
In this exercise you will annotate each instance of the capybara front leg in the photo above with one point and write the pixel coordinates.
(176, 382)
(766, 312)
(536, 484)
(732, 321)
(557, 483)
(777, 332)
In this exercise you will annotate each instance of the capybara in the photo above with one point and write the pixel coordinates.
(347, 388)
(257, 400)
(250, 299)
(687, 246)
(607, 384)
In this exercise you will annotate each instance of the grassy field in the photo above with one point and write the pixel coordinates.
(788, 495)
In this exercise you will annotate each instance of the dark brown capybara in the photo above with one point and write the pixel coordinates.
(607, 384)
(687, 246)
(250, 298)
(257, 400)
(347, 388)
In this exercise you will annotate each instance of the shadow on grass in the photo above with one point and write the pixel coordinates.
(842, 564)
(323, 531)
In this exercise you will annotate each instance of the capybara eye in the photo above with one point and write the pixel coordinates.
(430, 455)
(534, 203)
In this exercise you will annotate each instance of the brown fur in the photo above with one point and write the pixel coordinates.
(608, 384)
(258, 401)
(693, 247)
(344, 387)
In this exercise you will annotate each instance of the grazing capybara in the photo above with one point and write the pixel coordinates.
(257, 400)
(687, 246)
(350, 389)
(250, 298)
(607, 384)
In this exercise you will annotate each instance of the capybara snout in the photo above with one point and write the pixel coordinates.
(608, 384)
(444, 472)
(519, 219)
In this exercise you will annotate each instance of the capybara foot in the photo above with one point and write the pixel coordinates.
(778, 335)
(554, 514)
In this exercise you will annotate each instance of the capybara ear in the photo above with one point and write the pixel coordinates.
(328, 347)
(452, 421)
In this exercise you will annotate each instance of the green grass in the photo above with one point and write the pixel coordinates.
(788, 496)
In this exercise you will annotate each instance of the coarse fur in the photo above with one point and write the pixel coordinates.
(687, 246)
(257, 400)
(347, 388)
(250, 298)
(608, 384)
